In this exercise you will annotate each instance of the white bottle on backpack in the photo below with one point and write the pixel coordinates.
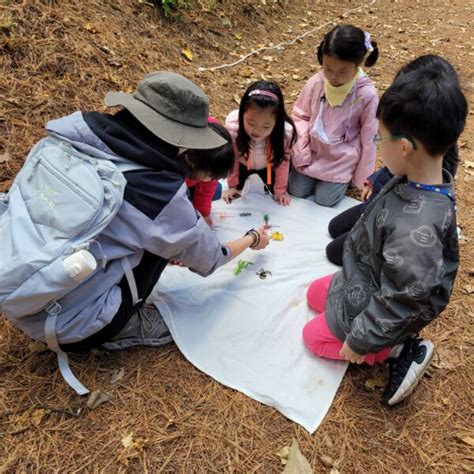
(80, 265)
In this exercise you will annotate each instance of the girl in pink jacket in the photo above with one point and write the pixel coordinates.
(263, 136)
(335, 119)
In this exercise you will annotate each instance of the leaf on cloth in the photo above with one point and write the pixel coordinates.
(97, 397)
(187, 53)
(297, 463)
(117, 375)
(131, 448)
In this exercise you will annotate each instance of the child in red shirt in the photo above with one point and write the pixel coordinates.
(203, 185)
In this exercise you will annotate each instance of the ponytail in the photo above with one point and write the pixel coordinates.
(373, 56)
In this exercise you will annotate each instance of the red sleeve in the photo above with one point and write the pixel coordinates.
(202, 197)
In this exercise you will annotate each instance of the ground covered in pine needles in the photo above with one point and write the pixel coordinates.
(164, 415)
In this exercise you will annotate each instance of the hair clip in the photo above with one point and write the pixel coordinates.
(368, 42)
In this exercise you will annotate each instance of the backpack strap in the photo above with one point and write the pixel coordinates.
(54, 309)
(127, 268)
(50, 333)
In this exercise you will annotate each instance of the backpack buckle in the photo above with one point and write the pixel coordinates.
(53, 308)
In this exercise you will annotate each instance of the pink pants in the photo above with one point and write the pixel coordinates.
(317, 336)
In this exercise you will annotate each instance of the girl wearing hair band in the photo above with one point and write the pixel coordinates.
(263, 136)
(335, 119)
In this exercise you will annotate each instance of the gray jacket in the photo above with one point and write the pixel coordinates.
(173, 230)
(400, 262)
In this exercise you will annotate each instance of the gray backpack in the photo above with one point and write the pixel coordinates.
(59, 202)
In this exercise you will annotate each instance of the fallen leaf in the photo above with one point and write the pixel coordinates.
(295, 77)
(375, 382)
(37, 346)
(132, 448)
(445, 401)
(226, 21)
(38, 415)
(238, 36)
(297, 463)
(283, 454)
(90, 28)
(188, 54)
(326, 460)
(267, 58)
(127, 441)
(469, 440)
(468, 164)
(98, 397)
(5, 157)
(468, 289)
(118, 375)
(236, 98)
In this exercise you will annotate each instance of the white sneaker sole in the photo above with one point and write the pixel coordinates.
(413, 376)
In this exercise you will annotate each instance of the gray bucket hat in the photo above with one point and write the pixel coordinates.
(173, 108)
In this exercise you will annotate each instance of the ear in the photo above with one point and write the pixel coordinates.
(407, 147)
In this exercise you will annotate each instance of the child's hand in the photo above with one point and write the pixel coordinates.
(230, 194)
(283, 199)
(176, 262)
(348, 354)
(366, 192)
(264, 238)
(208, 219)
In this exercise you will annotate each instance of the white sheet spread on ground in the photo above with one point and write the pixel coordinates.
(245, 331)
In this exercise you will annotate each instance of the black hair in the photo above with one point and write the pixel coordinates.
(347, 43)
(426, 105)
(433, 61)
(430, 61)
(277, 137)
(216, 163)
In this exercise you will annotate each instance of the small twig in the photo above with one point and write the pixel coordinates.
(59, 410)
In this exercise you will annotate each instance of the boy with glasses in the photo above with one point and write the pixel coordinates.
(401, 257)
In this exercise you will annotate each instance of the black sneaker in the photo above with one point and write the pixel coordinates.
(407, 369)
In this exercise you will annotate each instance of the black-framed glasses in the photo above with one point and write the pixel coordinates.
(378, 139)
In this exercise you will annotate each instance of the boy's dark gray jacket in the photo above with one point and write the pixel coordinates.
(400, 262)
(156, 218)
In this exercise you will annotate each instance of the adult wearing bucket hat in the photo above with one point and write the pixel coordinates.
(173, 108)
(148, 139)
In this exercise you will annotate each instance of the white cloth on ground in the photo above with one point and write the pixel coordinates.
(246, 332)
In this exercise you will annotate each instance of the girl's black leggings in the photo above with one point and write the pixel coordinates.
(338, 229)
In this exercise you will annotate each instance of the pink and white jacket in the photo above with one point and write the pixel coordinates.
(258, 158)
(353, 159)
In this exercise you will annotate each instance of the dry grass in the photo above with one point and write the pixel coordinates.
(57, 57)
